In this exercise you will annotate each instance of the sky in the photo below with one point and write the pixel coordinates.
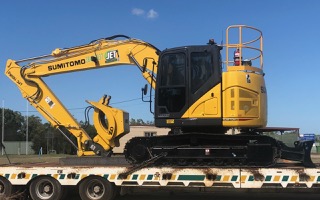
(291, 48)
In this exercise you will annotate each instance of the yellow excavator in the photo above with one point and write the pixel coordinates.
(197, 95)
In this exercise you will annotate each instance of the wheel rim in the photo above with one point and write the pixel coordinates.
(5, 187)
(2, 188)
(44, 189)
(95, 189)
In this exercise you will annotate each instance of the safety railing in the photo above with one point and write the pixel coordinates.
(246, 54)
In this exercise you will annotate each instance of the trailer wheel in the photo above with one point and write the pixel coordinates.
(45, 188)
(5, 187)
(96, 188)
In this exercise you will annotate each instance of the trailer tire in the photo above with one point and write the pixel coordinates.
(5, 187)
(116, 190)
(45, 188)
(96, 188)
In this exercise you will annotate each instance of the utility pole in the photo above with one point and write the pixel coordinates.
(27, 131)
(2, 136)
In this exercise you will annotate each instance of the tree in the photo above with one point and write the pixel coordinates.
(132, 122)
(50, 138)
(89, 128)
(140, 122)
(37, 132)
(16, 126)
(13, 125)
(60, 143)
(63, 145)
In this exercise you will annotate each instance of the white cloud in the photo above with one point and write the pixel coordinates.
(137, 11)
(152, 14)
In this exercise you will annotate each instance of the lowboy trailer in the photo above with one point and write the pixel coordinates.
(100, 181)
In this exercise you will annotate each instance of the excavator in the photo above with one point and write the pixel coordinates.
(197, 95)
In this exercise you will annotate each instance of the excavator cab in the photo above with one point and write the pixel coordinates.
(197, 91)
(185, 76)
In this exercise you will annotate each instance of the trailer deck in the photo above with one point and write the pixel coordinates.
(284, 175)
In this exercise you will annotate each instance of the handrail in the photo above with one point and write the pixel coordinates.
(255, 44)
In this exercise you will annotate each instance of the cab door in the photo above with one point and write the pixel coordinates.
(188, 89)
(171, 88)
(204, 85)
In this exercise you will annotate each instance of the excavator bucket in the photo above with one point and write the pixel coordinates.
(110, 123)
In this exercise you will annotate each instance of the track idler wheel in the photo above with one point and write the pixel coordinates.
(136, 152)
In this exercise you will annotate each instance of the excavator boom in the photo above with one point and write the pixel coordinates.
(97, 54)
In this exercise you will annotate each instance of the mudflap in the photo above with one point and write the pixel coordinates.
(301, 152)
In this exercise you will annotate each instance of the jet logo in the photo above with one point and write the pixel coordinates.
(112, 56)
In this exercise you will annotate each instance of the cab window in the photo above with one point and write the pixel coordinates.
(201, 69)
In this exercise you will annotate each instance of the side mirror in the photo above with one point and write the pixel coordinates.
(145, 63)
(145, 89)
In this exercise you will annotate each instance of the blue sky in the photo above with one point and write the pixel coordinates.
(291, 48)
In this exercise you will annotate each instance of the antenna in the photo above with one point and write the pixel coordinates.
(222, 38)
(221, 46)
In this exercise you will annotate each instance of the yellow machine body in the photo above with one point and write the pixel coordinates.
(238, 98)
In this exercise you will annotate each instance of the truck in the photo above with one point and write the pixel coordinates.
(197, 95)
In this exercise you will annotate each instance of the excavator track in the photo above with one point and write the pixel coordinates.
(203, 149)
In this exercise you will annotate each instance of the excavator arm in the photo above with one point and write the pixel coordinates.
(110, 123)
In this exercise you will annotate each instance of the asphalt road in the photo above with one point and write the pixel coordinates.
(223, 196)
(156, 194)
